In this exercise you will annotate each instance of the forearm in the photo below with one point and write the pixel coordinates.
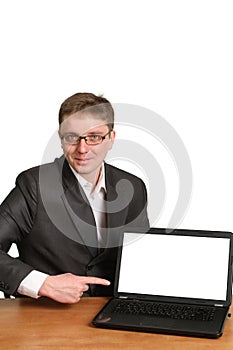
(12, 272)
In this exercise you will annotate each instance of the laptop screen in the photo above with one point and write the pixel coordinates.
(174, 265)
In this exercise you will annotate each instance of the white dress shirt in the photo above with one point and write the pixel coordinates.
(31, 284)
(96, 197)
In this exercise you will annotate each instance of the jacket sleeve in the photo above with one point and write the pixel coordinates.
(17, 214)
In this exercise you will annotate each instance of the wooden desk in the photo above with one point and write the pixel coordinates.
(43, 324)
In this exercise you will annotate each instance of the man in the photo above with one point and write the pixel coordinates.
(65, 217)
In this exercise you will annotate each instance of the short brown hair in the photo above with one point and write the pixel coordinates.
(85, 101)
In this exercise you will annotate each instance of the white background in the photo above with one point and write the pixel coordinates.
(173, 57)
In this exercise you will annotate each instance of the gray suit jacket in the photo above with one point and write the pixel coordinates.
(49, 218)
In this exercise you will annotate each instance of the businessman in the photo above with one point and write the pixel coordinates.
(65, 217)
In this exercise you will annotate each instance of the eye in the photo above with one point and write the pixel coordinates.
(70, 138)
(94, 138)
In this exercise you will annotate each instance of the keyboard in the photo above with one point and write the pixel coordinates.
(165, 310)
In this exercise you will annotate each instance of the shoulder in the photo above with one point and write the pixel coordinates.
(113, 172)
(33, 174)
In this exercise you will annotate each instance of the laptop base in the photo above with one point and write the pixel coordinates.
(152, 324)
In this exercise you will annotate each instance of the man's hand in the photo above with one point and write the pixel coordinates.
(68, 288)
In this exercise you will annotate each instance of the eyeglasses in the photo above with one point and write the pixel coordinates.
(91, 140)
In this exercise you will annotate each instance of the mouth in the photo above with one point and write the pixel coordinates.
(82, 160)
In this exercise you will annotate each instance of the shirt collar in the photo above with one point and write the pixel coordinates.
(85, 184)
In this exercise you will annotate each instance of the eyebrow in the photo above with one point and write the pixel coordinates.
(95, 132)
(88, 133)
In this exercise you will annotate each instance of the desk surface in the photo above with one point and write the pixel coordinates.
(44, 324)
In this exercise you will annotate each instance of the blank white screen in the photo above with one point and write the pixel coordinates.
(178, 266)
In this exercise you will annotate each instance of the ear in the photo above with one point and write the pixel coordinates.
(59, 134)
(112, 138)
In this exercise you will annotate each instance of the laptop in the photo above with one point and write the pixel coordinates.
(171, 281)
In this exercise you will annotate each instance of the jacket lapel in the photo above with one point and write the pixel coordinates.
(79, 210)
(115, 218)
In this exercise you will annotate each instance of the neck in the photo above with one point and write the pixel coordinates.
(94, 177)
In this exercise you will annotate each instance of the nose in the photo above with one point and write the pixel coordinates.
(82, 147)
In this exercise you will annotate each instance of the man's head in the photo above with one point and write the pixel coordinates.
(86, 131)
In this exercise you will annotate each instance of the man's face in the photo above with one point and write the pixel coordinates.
(86, 159)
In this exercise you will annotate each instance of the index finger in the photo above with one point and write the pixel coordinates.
(95, 280)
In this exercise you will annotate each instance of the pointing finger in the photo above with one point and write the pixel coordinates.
(95, 280)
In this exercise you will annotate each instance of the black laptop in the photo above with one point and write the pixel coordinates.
(171, 281)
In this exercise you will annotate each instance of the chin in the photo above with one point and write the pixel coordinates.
(81, 169)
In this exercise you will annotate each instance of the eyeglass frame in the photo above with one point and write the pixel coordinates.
(102, 138)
